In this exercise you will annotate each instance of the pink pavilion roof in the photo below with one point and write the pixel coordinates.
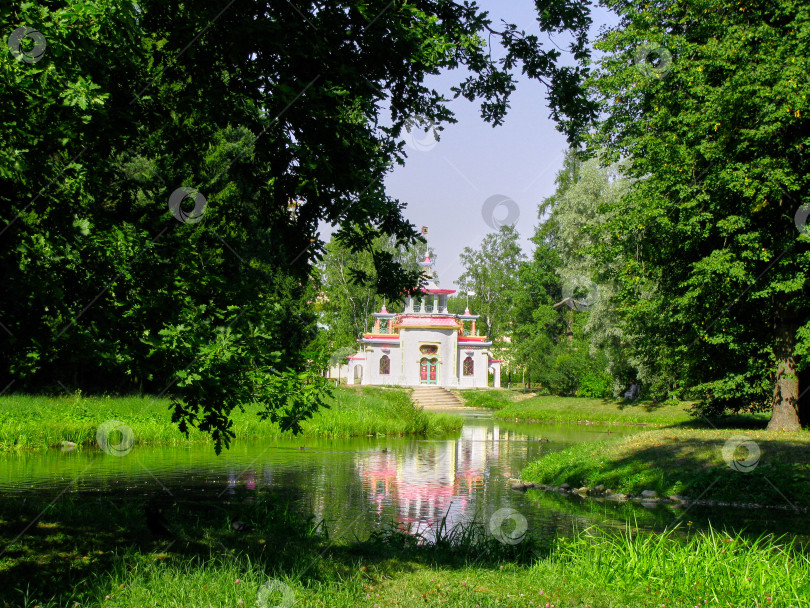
(414, 320)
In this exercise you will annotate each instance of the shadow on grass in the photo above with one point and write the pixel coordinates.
(647, 407)
(727, 421)
(776, 473)
(69, 551)
(752, 422)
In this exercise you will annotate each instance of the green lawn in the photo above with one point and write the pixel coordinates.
(689, 462)
(488, 398)
(510, 405)
(37, 422)
(579, 409)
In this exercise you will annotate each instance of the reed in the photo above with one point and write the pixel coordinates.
(39, 422)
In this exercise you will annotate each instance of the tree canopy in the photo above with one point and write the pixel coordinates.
(249, 123)
(707, 104)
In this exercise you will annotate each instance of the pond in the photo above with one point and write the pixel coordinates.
(359, 485)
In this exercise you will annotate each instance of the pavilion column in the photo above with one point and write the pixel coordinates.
(377, 326)
(472, 328)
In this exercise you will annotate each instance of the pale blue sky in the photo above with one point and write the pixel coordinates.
(445, 186)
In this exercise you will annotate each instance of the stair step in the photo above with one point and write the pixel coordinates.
(435, 397)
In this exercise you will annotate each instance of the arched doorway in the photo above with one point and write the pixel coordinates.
(358, 374)
(428, 368)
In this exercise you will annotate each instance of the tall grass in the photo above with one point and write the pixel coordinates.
(38, 422)
(377, 411)
(119, 565)
(708, 567)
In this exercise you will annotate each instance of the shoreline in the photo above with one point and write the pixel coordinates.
(728, 467)
(674, 501)
(31, 423)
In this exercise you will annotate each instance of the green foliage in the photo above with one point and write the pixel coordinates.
(536, 324)
(595, 385)
(349, 287)
(491, 273)
(565, 374)
(263, 112)
(714, 272)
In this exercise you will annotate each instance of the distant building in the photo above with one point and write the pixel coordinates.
(425, 344)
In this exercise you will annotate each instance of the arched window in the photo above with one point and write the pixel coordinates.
(469, 366)
(385, 365)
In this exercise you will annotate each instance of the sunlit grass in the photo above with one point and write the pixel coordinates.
(545, 408)
(688, 462)
(591, 568)
(37, 422)
(488, 398)
(371, 411)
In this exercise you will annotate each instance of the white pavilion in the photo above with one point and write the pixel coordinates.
(425, 344)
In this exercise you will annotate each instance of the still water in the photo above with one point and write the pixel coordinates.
(358, 485)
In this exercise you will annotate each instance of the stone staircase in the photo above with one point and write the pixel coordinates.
(435, 398)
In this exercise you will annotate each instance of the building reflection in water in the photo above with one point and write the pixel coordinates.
(434, 478)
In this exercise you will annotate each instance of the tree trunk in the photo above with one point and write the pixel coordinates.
(804, 397)
(569, 332)
(785, 416)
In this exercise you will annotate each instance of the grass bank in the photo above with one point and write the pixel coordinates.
(290, 560)
(545, 408)
(510, 405)
(488, 398)
(718, 465)
(38, 422)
